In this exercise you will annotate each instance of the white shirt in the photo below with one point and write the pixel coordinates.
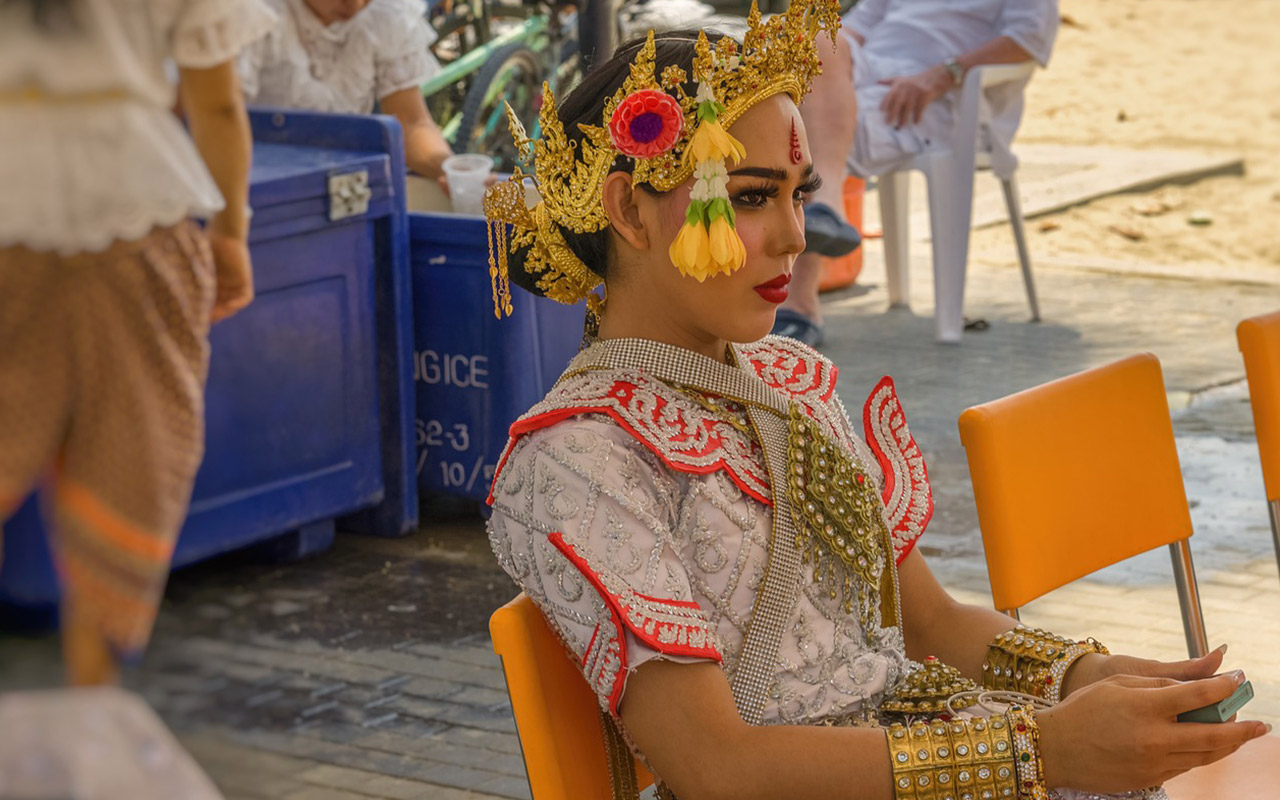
(344, 67)
(90, 152)
(904, 37)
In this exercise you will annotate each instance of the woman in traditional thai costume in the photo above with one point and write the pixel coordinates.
(728, 559)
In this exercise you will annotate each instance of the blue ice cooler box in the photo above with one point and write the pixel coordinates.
(474, 374)
(308, 402)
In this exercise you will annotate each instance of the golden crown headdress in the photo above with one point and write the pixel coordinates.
(670, 134)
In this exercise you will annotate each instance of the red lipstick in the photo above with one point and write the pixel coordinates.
(774, 291)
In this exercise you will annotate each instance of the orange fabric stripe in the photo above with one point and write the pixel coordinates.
(111, 525)
(82, 579)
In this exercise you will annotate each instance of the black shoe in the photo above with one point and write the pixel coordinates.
(827, 234)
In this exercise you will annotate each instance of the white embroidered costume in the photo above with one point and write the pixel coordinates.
(637, 516)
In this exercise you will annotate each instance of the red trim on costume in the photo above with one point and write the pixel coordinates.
(689, 448)
(673, 627)
(908, 497)
(793, 369)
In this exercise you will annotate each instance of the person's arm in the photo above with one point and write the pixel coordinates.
(934, 624)
(220, 129)
(1117, 735)
(683, 718)
(425, 148)
(910, 95)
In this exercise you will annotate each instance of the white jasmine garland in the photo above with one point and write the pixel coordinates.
(711, 180)
(705, 95)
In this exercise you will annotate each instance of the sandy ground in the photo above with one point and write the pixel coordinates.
(1201, 74)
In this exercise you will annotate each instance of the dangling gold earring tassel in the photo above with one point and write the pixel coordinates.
(499, 269)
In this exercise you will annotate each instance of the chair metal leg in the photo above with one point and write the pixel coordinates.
(895, 222)
(1013, 612)
(949, 219)
(1014, 204)
(1274, 506)
(1184, 575)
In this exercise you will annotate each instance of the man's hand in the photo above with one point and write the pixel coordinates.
(1095, 667)
(910, 95)
(234, 275)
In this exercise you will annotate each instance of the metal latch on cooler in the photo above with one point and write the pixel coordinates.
(349, 194)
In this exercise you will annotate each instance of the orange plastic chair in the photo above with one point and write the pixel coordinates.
(1259, 339)
(1078, 474)
(557, 716)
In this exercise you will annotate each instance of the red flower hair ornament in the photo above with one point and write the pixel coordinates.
(646, 123)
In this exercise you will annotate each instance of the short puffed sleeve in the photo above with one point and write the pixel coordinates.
(209, 32)
(403, 57)
(1033, 24)
(584, 521)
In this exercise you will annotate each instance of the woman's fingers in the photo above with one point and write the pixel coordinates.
(1213, 737)
(1180, 697)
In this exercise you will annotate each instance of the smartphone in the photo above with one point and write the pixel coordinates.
(1223, 711)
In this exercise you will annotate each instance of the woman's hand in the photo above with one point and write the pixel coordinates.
(1095, 667)
(234, 275)
(1121, 733)
(910, 95)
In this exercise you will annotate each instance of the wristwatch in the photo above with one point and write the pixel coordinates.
(954, 69)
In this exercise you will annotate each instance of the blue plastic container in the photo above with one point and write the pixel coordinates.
(475, 374)
(309, 391)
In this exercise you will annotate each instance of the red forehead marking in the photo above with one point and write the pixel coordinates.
(796, 155)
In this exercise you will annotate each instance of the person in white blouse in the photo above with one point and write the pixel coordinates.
(109, 287)
(904, 59)
(344, 56)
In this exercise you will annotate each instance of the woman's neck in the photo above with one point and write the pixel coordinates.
(628, 321)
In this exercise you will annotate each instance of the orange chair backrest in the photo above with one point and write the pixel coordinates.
(557, 716)
(1073, 476)
(1259, 339)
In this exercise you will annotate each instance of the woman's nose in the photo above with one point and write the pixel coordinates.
(790, 236)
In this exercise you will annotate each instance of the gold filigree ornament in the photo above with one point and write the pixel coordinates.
(841, 533)
(927, 690)
(670, 133)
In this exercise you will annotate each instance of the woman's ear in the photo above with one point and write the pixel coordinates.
(624, 215)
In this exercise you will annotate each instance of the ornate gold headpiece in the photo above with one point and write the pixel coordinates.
(669, 133)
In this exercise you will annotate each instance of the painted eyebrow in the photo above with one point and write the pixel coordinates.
(772, 173)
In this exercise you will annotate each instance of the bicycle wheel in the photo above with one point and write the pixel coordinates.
(512, 74)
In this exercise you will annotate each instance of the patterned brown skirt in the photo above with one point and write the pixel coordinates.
(103, 359)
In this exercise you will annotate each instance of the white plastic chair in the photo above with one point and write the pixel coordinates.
(949, 174)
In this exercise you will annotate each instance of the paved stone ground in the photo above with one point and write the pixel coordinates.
(367, 672)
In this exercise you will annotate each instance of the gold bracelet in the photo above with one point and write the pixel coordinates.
(1026, 746)
(1033, 661)
(954, 759)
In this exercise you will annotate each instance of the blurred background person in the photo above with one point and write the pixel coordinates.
(344, 56)
(905, 58)
(108, 288)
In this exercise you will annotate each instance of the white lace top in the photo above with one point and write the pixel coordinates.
(89, 149)
(344, 67)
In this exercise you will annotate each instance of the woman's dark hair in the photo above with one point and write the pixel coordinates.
(585, 106)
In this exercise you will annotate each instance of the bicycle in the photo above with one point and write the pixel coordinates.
(494, 53)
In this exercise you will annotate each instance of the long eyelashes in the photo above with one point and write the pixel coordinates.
(757, 196)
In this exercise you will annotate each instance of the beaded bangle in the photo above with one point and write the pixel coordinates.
(1026, 748)
(952, 760)
(1033, 661)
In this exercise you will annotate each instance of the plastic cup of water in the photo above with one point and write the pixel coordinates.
(467, 174)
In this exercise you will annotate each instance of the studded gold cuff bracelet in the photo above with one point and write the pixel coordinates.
(960, 759)
(1033, 661)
